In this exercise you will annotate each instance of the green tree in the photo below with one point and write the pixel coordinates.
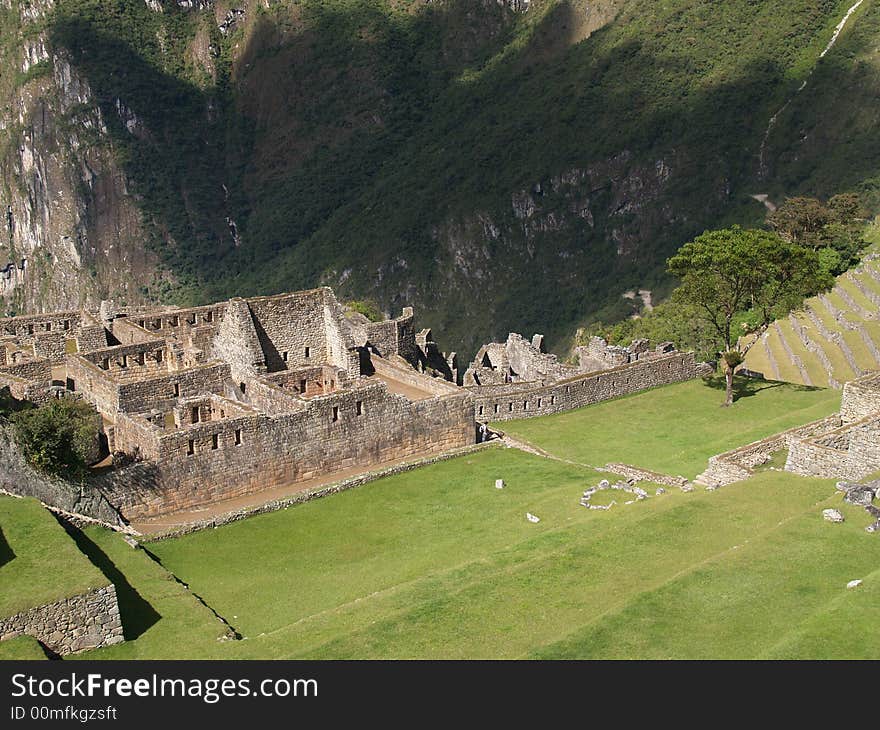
(746, 277)
(837, 225)
(58, 437)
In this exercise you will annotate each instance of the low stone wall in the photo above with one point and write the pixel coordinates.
(738, 464)
(87, 621)
(627, 471)
(503, 403)
(850, 452)
(435, 386)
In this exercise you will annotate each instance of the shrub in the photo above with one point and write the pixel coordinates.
(59, 437)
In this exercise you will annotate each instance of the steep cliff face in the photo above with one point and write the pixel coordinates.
(70, 225)
(502, 165)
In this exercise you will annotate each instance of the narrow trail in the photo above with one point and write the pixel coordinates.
(762, 163)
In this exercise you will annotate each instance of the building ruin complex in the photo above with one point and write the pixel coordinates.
(209, 403)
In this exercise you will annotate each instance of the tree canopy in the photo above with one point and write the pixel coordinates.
(739, 280)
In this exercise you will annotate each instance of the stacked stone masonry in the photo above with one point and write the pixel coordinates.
(86, 621)
(846, 445)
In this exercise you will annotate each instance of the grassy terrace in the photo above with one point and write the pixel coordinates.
(439, 563)
(841, 368)
(675, 429)
(39, 563)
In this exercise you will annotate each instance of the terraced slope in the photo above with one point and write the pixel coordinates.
(835, 338)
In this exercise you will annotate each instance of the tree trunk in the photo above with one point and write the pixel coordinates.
(728, 377)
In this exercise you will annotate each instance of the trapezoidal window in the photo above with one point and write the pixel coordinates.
(177, 390)
(209, 316)
(190, 447)
(284, 355)
(335, 416)
(308, 352)
(215, 441)
(481, 410)
(238, 437)
(359, 407)
(302, 386)
(195, 414)
(496, 408)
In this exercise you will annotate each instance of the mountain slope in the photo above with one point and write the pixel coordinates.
(499, 165)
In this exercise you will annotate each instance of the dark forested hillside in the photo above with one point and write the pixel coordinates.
(499, 164)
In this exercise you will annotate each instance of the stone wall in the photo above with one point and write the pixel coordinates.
(356, 428)
(507, 402)
(51, 346)
(394, 336)
(136, 361)
(87, 621)
(19, 478)
(25, 327)
(33, 370)
(849, 452)
(405, 374)
(738, 464)
(237, 343)
(861, 397)
(291, 329)
(109, 395)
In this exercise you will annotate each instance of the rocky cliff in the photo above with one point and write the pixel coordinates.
(499, 164)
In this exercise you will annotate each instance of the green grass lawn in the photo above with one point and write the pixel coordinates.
(749, 570)
(20, 648)
(675, 429)
(39, 563)
(438, 563)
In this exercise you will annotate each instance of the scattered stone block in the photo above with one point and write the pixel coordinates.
(854, 583)
(832, 515)
(659, 491)
(532, 518)
(499, 484)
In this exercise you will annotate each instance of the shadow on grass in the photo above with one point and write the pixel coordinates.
(137, 614)
(748, 387)
(6, 552)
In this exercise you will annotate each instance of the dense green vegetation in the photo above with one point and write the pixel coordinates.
(58, 437)
(38, 561)
(375, 146)
(439, 563)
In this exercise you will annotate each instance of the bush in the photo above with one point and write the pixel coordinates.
(368, 308)
(59, 437)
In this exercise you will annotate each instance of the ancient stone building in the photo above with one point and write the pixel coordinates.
(210, 403)
(207, 403)
(516, 379)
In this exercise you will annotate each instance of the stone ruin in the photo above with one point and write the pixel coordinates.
(517, 379)
(210, 403)
(203, 404)
(842, 446)
(629, 487)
